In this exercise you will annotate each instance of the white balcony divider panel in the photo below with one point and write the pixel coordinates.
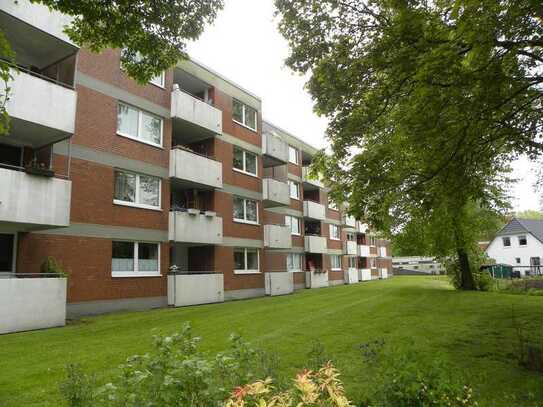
(351, 276)
(274, 146)
(279, 283)
(193, 289)
(363, 250)
(195, 168)
(38, 101)
(361, 227)
(312, 181)
(32, 303)
(350, 248)
(193, 110)
(348, 220)
(275, 193)
(277, 237)
(383, 273)
(364, 274)
(39, 16)
(34, 201)
(314, 210)
(315, 244)
(185, 227)
(316, 280)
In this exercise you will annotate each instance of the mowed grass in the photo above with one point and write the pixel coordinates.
(471, 331)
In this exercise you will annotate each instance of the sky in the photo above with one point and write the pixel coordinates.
(244, 45)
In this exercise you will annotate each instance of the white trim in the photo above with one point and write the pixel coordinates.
(239, 220)
(246, 222)
(332, 226)
(136, 204)
(121, 274)
(296, 270)
(297, 155)
(248, 271)
(244, 125)
(140, 121)
(297, 197)
(244, 162)
(162, 81)
(243, 113)
(245, 172)
(135, 272)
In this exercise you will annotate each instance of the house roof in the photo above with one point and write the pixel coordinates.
(533, 226)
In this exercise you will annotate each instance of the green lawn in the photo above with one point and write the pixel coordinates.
(470, 330)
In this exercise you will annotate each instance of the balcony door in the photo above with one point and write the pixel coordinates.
(7, 253)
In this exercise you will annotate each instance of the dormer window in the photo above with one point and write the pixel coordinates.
(522, 241)
(506, 241)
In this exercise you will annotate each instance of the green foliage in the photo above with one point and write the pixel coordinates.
(428, 102)
(51, 266)
(316, 356)
(529, 214)
(482, 280)
(153, 33)
(78, 387)
(7, 56)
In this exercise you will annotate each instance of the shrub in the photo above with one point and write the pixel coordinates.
(51, 266)
(483, 280)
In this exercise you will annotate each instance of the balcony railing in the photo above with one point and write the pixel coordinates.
(277, 237)
(195, 288)
(310, 182)
(275, 193)
(314, 210)
(195, 170)
(194, 226)
(361, 227)
(363, 250)
(364, 274)
(274, 150)
(350, 248)
(315, 244)
(348, 220)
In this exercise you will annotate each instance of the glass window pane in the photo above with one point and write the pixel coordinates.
(127, 120)
(122, 256)
(237, 111)
(239, 259)
(252, 259)
(238, 208)
(151, 128)
(251, 210)
(250, 163)
(158, 80)
(295, 227)
(292, 155)
(147, 257)
(238, 158)
(125, 186)
(294, 189)
(6, 253)
(250, 117)
(149, 190)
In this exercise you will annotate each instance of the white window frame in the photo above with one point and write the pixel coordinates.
(331, 228)
(135, 272)
(288, 221)
(244, 161)
(249, 222)
(297, 184)
(503, 242)
(296, 159)
(353, 261)
(140, 121)
(335, 256)
(136, 204)
(248, 271)
(243, 114)
(295, 270)
(525, 239)
(151, 81)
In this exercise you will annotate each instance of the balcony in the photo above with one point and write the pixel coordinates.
(274, 150)
(349, 221)
(192, 289)
(279, 283)
(310, 182)
(361, 227)
(351, 276)
(32, 202)
(349, 248)
(316, 279)
(277, 237)
(195, 227)
(42, 112)
(275, 193)
(193, 170)
(193, 118)
(315, 244)
(363, 250)
(383, 273)
(314, 210)
(364, 274)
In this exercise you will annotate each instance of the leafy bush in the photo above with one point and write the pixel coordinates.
(483, 280)
(51, 266)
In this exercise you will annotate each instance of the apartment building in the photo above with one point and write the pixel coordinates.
(172, 193)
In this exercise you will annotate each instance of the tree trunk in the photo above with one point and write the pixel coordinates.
(466, 277)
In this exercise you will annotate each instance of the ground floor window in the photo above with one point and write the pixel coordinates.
(294, 262)
(352, 262)
(246, 260)
(7, 246)
(135, 259)
(335, 260)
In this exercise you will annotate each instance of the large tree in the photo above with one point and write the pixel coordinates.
(152, 33)
(428, 102)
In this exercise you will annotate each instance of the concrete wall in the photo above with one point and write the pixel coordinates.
(363, 250)
(197, 228)
(383, 273)
(348, 220)
(315, 244)
(351, 276)
(277, 237)
(190, 109)
(316, 280)
(195, 168)
(34, 201)
(314, 210)
(364, 274)
(275, 193)
(192, 289)
(350, 248)
(32, 303)
(279, 283)
(274, 146)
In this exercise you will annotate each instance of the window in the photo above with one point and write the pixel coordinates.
(506, 241)
(245, 210)
(246, 260)
(135, 259)
(522, 240)
(7, 245)
(136, 190)
(139, 125)
(243, 114)
(294, 224)
(294, 189)
(335, 261)
(294, 262)
(352, 262)
(517, 260)
(244, 161)
(332, 204)
(293, 155)
(335, 233)
(351, 237)
(157, 80)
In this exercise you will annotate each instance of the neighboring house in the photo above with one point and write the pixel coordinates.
(519, 244)
(121, 182)
(417, 265)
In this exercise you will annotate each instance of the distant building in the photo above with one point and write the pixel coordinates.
(519, 244)
(416, 265)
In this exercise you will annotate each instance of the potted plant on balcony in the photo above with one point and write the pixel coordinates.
(38, 168)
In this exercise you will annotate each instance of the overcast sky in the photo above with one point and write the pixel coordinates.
(245, 46)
